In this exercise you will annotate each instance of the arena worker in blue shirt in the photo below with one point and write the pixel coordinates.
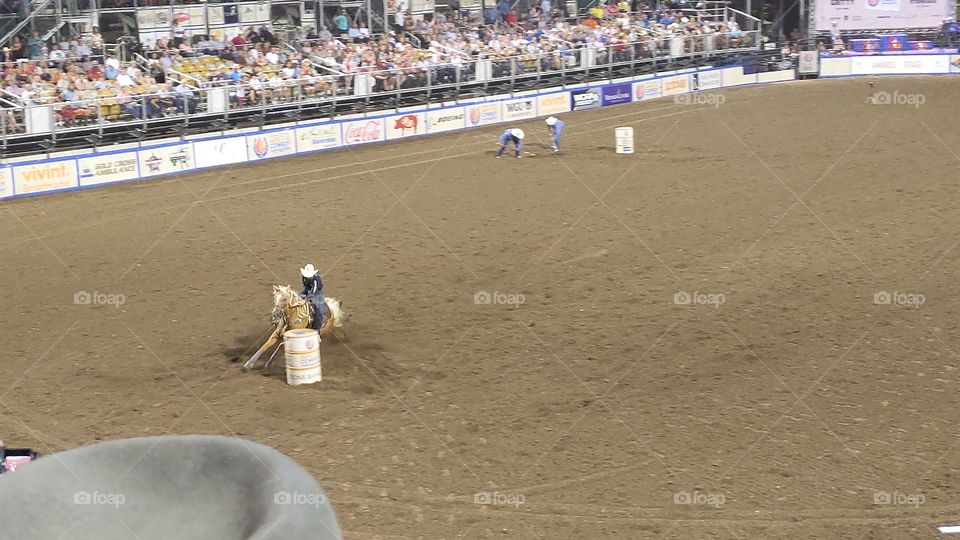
(555, 129)
(514, 135)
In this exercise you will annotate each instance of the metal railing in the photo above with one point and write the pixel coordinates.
(369, 90)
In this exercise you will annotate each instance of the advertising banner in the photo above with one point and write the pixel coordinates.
(363, 131)
(555, 103)
(319, 137)
(148, 18)
(40, 177)
(446, 119)
(6, 183)
(215, 17)
(905, 64)
(483, 114)
(708, 80)
(406, 125)
(271, 144)
(519, 109)
(166, 159)
(220, 151)
(251, 12)
(677, 84)
(954, 63)
(880, 14)
(808, 62)
(585, 99)
(108, 168)
(616, 94)
(645, 90)
(423, 6)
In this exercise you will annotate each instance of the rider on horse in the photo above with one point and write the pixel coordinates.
(313, 293)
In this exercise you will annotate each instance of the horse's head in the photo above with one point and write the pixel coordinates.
(284, 299)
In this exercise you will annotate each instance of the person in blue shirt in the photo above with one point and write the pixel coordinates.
(514, 135)
(555, 129)
(504, 8)
(341, 23)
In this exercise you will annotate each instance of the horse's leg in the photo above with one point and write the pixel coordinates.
(272, 356)
(274, 336)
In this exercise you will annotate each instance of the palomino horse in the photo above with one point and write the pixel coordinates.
(291, 312)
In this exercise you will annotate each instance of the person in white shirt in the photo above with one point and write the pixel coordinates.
(57, 55)
(272, 57)
(113, 62)
(83, 50)
(125, 80)
(353, 32)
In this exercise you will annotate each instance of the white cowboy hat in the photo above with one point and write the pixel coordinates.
(308, 271)
(551, 121)
(517, 132)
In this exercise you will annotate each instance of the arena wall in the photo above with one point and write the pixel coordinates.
(892, 64)
(85, 169)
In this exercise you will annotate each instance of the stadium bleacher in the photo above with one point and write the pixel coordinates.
(257, 78)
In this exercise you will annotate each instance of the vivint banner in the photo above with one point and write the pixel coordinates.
(45, 176)
(880, 14)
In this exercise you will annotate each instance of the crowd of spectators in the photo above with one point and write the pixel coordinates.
(87, 81)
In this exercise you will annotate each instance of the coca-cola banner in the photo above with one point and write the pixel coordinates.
(446, 119)
(406, 125)
(364, 131)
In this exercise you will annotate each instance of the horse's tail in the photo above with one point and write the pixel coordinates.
(336, 311)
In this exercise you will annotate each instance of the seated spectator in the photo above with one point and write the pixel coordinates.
(57, 56)
(129, 104)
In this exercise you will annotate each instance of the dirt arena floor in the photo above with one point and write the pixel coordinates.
(789, 399)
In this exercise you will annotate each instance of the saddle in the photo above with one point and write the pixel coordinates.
(312, 311)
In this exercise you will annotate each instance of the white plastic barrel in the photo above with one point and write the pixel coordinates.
(624, 140)
(301, 350)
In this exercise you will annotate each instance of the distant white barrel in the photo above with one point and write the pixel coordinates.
(301, 349)
(624, 140)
